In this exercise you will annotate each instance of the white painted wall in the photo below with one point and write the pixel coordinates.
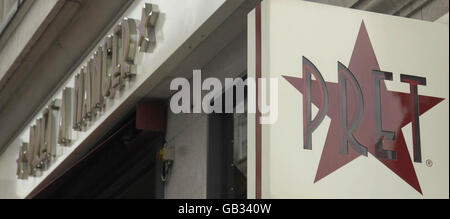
(187, 134)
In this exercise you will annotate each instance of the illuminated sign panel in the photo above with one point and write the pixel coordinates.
(104, 74)
(363, 104)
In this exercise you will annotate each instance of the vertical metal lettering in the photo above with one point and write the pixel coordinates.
(129, 48)
(31, 149)
(346, 75)
(38, 145)
(87, 92)
(52, 124)
(385, 135)
(116, 79)
(22, 162)
(309, 125)
(147, 38)
(79, 90)
(65, 120)
(97, 98)
(43, 154)
(413, 82)
(107, 58)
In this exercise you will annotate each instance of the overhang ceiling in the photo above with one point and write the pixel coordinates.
(61, 41)
(428, 10)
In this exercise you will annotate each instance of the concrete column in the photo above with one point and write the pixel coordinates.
(187, 134)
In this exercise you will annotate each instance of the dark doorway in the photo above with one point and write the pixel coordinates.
(121, 165)
(227, 152)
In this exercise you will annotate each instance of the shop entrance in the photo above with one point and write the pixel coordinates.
(122, 165)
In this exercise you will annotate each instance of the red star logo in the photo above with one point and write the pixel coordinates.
(395, 109)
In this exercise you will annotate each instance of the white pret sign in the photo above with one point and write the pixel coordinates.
(363, 104)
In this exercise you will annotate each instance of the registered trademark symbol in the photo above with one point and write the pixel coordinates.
(429, 163)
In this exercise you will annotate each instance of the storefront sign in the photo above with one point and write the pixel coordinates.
(104, 75)
(363, 104)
